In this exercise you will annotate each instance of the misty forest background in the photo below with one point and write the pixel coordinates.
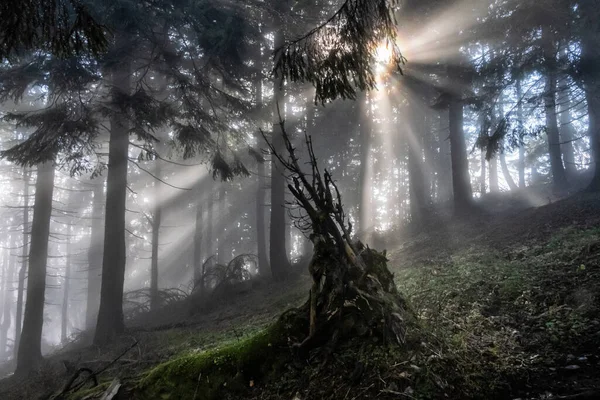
(138, 176)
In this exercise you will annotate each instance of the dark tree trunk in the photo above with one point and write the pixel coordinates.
(461, 181)
(66, 288)
(416, 175)
(209, 219)
(261, 230)
(509, 180)
(559, 177)
(94, 272)
(493, 165)
(505, 171)
(261, 239)
(590, 59)
(444, 165)
(30, 353)
(198, 272)
(24, 261)
(493, 162)
(7, 300)
(110, 314)
(520, 127)
(278, 254)
(280, 264)
(363, 227)
(223, 250)
(593, 100)
(482, 182)
(156, 221)
(567, 133)
(428, 158)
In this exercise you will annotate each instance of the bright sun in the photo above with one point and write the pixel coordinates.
(383, 58)
(383, 54)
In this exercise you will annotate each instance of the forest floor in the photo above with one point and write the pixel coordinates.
(508, 303)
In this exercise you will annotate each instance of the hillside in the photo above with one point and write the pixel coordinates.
(508, 306)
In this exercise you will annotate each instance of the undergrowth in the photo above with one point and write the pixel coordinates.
(501, 319)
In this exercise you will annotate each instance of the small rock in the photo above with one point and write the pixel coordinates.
(582, 359)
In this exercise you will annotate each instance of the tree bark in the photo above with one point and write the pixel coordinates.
(567, 132)
(482, 181)
(223, 251)
(198, 272)
(363, 227)
(558, 172)
(24, 261)
(493, 165)
(209, 219)
(261, 242)
(156, 221)
(7, 300)
(110, 314)
(94, 272)
(29, 353)
(461, 181)
(520, 127)
(506, 172)
(278, 253)
(66, 288)
(590, 59)
(444, 165)
(493, 162)
(416, 175)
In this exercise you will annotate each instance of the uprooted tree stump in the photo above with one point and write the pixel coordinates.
(347, 302)
(353, 295)
(353, 292)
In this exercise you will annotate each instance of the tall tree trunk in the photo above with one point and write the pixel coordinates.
(30, 352)
(94, 272)
(66, 288)
(156, 221)
(493, 162)
(590, 59)
(364, 185)
(110, 314)
(482, 160)
(567, 133)
(24, 261)
(444, 165)
(505, 171)
(482, 182)
(416, 175)
(493, 165)
(198, 271)
(7, 300)
(461, 181)
(209, 219)
(278, 253)
(520, 127)
(509, 180)
(222, 248)
(261, 239)
(559, 177)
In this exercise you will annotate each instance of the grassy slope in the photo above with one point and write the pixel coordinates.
(509, 308)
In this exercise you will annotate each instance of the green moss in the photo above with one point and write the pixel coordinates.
(233, 367)
(93, 392)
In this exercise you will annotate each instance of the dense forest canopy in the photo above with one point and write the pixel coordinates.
(145, 144)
